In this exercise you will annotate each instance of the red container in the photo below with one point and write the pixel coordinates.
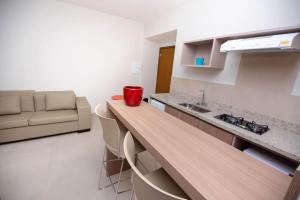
(133, 95)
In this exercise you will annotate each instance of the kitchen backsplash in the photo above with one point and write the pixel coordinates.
(262, 91)
(247, 114)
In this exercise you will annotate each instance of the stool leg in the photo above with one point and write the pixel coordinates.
(119, 179)
(101, 170)
(132, 192)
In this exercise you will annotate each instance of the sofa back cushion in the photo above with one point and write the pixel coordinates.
(27, 104)
(60, 101)
(10, 105)
(40, 100)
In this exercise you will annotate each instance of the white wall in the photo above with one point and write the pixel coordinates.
(296, 89)
(209, 18)
(150, 63)
(52, 45)
(150, 58)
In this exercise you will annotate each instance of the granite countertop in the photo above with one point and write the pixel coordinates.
(280, 140)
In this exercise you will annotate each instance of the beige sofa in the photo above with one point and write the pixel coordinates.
(29, 114)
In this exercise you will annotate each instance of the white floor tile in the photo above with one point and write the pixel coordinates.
(55, 168)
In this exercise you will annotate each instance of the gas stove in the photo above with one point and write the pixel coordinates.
(247, 125)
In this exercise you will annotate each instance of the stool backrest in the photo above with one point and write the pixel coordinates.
(143, 188)
(111, 130)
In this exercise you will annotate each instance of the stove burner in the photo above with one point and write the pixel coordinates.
(257, 128)
(231, 119)
(240, 122)
(234, 120)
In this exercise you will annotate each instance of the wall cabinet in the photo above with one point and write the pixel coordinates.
(209, 49)
(202, 125)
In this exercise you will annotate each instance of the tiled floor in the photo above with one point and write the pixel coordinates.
(55, 168)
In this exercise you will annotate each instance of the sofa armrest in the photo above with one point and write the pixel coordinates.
(84, 113)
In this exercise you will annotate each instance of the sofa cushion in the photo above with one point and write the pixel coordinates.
(40, 98)
(39, 101)
(27, 103)
(14, 121)
(51, 117)
(60, 101)
(26, 96)
(10, 105)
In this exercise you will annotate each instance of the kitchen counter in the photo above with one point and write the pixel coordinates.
(281, 141)
(203, 166)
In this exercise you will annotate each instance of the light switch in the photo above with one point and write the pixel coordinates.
(136, 68)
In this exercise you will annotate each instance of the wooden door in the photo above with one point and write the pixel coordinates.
(164, 71)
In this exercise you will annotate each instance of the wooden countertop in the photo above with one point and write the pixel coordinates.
(203, 166)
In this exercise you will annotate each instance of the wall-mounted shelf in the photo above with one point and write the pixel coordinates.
(209, 49)
(201, 66)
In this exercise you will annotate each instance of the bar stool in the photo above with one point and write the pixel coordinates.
(113, 137)
(155, 185)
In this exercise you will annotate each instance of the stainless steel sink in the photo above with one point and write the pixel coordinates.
(194, 107)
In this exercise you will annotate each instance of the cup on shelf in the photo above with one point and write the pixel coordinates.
(199, 61)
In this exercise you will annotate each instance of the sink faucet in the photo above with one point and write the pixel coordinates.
(202, 102)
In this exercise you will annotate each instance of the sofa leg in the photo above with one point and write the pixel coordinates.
(84, 130)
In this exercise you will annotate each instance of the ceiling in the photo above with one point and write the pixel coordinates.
(139, 10)
(164, 37)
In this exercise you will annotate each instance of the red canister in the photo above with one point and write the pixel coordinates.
(133, 95)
